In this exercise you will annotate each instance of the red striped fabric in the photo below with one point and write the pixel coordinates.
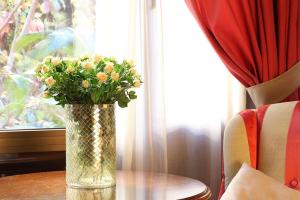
(292, 164)
(250, 121)
(253, 120)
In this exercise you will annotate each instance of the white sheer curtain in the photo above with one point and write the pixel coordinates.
(175, 125)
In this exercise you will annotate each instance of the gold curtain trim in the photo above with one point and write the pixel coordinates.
(277, 89)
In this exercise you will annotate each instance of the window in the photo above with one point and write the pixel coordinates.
(29, 31)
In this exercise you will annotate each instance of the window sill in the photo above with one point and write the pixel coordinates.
(42, 140)
(13, 164)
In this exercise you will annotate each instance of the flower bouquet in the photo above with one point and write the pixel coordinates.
(88, 87)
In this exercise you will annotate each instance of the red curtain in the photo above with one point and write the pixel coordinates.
(257, 39)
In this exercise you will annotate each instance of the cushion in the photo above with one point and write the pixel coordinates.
(251, 184)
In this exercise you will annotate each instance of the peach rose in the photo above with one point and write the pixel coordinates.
(70, 70)
(137, 83)
(97, 58)
(44, 69)
(132, 71)
(102, 77)
(50, 81)
(130, 62)
(46, 94)
(109, 67)
(85, 83)
(55, 61)
(115, 76)
(87, 65)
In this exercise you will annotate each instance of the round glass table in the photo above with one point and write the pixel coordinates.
(130, 186)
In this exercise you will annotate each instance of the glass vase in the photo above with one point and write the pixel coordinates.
(90, 146)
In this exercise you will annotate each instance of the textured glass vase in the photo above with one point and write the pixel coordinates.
(90, 146)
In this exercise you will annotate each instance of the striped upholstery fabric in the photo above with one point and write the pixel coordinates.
(268, 139)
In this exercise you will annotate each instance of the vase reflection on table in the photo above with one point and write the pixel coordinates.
(91, 194)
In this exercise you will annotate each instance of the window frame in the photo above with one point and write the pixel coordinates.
(32, 140)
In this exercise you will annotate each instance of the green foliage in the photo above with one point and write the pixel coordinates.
(18, 87)
(45, 44)
(95, 95)
(88, 80)
(12, 109)
(21, 105)
(62, 38)
(28, 40)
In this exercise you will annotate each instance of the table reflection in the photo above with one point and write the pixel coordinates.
(141, 186)
(130, 186)
(123, 193)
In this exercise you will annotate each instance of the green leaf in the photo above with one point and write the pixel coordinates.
(17, 87)
(95, 96)
(132, 95)
(123, 100)
(21, 81)
(61, 39)
(12, 109)
(122, 104)
(29, 39)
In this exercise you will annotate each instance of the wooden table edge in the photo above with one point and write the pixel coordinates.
(205, 195)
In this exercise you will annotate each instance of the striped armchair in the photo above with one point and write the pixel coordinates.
(268, 139)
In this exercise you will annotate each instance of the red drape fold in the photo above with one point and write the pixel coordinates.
(257, 39)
